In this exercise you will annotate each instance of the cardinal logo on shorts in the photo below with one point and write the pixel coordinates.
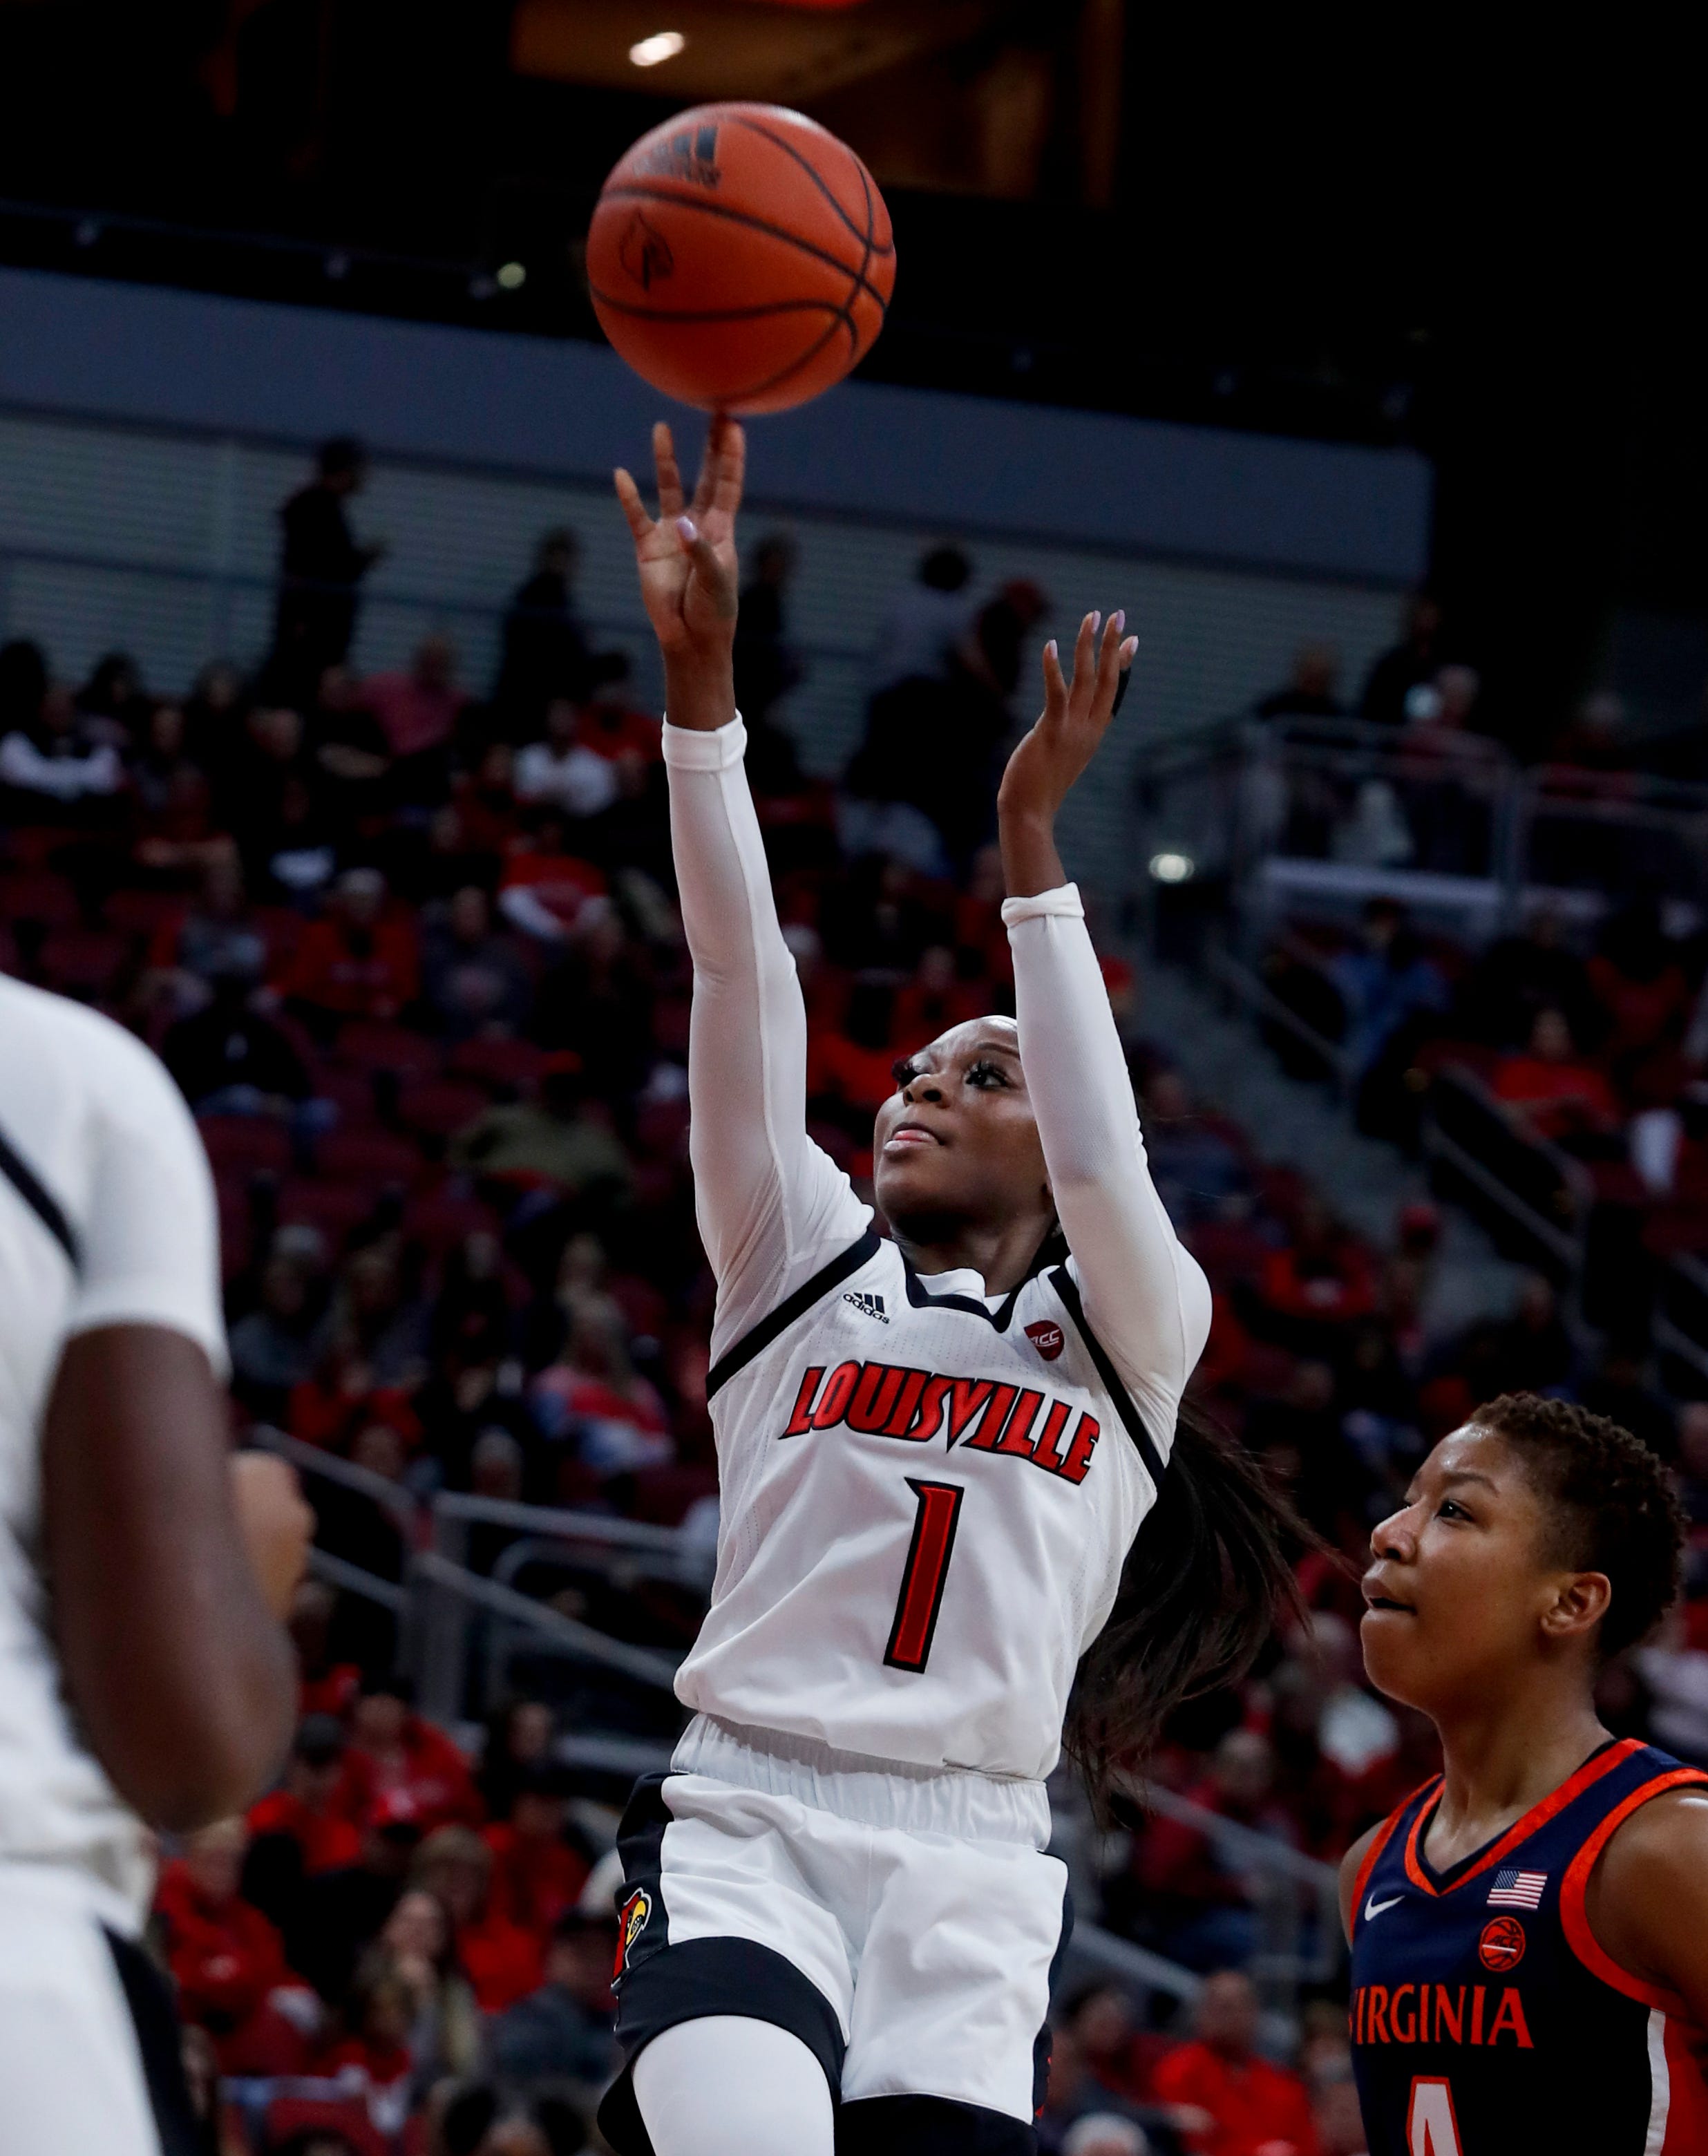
(645, 252)
(1047, 1338)
(631, 1922)
(1502, 1945)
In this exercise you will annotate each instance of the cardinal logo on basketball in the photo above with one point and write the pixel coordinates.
(1047, 1338)
(645, 252)
(1502, 1945)
(631, 1922)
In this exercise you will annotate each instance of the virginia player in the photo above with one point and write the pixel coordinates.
(936, 1453)
(1529, 1931)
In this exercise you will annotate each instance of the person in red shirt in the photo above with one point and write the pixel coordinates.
(358, 960)
(503, 1963)
(225, 1956)
(1227, 2100)
(374, 2061)
(303, 1811)
(536, 1875)
(394, 1752)
(609, 723)
(325, 1685)
(417, 710)
(1548, 1091)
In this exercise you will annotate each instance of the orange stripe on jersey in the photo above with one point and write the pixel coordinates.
(1384, 1835)
(1534, 1820)
(1687, 2096)
(1574, 1916)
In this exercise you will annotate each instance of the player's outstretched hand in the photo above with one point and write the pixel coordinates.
(275, 1523)
(1044, 768)
(689, 574)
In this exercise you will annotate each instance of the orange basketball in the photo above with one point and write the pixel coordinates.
(740, 259)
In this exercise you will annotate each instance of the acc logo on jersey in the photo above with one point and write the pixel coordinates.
(631, 1922)
(1502, 1945)
(1048, 1338)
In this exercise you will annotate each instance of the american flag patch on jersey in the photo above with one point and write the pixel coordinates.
(1517, 1890)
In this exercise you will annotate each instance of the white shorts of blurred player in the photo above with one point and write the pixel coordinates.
(87, 2038)
(906, 1926)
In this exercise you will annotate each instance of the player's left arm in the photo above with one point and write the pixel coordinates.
(1647, 1900)
(1145, 1296)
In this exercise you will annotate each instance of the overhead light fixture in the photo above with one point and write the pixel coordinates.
(663, 45)
(1172, 867)
(512, 276)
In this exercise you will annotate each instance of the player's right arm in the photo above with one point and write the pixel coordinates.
(170, 1565)
(1352, 1863)
(773, 1208)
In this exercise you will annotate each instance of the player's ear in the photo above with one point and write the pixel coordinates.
(1580, 1603)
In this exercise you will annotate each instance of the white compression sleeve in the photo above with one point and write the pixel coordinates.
(1146, 1297)
(726, 2085)
(773, 1207)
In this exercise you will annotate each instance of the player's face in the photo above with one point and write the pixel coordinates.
(1460, 1590)
(957, 1139)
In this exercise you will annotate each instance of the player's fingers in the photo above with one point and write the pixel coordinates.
(634, 508)
(669, 472)
(1108, 664)
(708, 467)
(1055, 685)
(719, 583)
(1084, 656)
(729, 473)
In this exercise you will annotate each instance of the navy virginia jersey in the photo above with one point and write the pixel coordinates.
(1485, 2019)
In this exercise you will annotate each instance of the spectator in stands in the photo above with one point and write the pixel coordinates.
(562, 771)
(1310, 693)
(1383, 981)
(545, 885)
(320, 569)
(1199, 1171)
(1532, 1351)
(598, 1000)
(1227, 2100)
(473, 975)
(1548, 1091)
(594, 1399)
(1340, 2124)
(1518, 977)
(1100, 2018)
(1620, 1388)
(766, 668)
(394, 1752)
(113, 703)
(562, 2031)
(416, 1949)
(229, 1059)
(339, 1913)
(358, 960)
(612, 724)
(519, 1741)
(227, 1960)
(23, 683)
(276, 810)
(1198, 1895)
(418, 710)
(1410, 663)
(536, 1876)
(352, 755)
(273, 1343)
(53, 759)
(1642, 993)
(173, 832)
(372, 2061)
(301, 1818)
(502, 1962)
(326, 1684)
(1320, 1282)
(552, 1139)
(924, 622)
(545, 651)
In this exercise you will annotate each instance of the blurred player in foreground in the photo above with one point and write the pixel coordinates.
(957, 1486)
(1529, 1931)
(145, 1678)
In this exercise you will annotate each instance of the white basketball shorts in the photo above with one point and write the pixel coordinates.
(88, 2058)
(905, 1926)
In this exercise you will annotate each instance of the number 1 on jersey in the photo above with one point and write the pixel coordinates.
(922, 1577)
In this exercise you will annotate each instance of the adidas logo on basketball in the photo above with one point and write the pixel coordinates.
(868, 1305)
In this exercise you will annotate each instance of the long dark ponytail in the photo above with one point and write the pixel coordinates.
(1208, 1578)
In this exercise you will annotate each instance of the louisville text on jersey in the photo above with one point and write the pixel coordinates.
(1440, 2013)
(983, 1415)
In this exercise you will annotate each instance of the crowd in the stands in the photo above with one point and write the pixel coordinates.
(412, 955)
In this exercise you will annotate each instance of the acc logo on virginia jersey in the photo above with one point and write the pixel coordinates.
(1502, 1945)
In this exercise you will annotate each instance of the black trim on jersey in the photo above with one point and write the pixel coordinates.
(930, 2126)
(1041, 2045)
(40, 1200)
(1049, 1251)
(705, 1977)
(154, 2020)
(1063, 1282)
(760, 1337)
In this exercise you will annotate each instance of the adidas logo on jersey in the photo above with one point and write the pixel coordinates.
(868, 1305)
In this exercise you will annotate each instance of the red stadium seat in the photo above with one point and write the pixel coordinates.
(438, 1107)
(289, 2115)
(497, 1063)
(334, 1208)
(84, 962)
(143, 912)
(368, 1045)
(372, 1158)
(37, 894)
(443, 1218)
(241, 1146)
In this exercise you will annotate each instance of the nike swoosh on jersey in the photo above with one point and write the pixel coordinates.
(1373, 1907)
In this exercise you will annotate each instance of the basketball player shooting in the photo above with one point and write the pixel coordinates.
(145, 1679)
(1529, 1931)
(936, 1454)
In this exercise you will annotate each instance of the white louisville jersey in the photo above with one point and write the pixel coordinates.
(107, 1217)
(928, 1495)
